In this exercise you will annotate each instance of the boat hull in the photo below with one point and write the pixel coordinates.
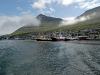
(83, 37)
(58, 39)
(43, 39)
(55, 39)
(66, 39)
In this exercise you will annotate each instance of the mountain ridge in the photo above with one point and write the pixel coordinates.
(48, 22)
(42, 17)
(93, 13)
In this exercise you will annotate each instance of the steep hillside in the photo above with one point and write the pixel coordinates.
(51, 23)
(76, 27)
(47, 23)
(91, 14)
(44, 18)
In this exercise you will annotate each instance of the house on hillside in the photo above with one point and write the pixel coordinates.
(92, 35)
(81, 33)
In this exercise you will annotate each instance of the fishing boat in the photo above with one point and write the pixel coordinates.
(67, 39)
(59, 38)
(82, 37)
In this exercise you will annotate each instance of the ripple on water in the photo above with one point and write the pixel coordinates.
(49, 58)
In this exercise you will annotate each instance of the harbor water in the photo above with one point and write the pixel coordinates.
(28, 57)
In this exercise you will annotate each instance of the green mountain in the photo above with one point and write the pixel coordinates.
(92, 14)
(47, 23)
(51, 24)
(47, 18)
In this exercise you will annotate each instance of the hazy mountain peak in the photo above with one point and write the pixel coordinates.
(47, 18)
(51, 22)
(92, 13)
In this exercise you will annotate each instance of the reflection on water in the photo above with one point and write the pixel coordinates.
(49, 58)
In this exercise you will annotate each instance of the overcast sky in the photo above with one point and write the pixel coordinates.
(17, 13)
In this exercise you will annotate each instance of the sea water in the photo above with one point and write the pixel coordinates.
(28, 57)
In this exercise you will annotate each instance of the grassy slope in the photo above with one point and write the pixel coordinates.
(82, 25)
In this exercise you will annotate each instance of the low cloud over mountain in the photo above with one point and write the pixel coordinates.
(9, 24)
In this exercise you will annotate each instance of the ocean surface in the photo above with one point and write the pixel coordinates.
(20, 57)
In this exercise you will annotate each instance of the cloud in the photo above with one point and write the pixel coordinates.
(64, 2)
(19, 8)
(71, 2)
(52, 10)
(83, 4)
(47, 11)
(89, 4)
(29, 20)
(71, 20)
(41, 4)
(10, 24)
(26, 12)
